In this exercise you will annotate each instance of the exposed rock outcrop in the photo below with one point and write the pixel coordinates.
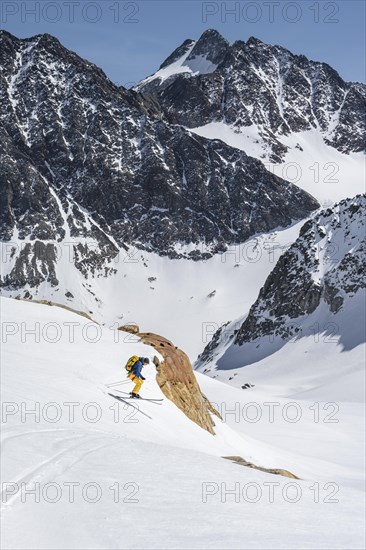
(277, 471)
(178, 382)
(131, 327)
(50, 303)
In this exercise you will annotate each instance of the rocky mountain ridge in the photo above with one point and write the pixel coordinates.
(97, 166)
(253, 84)
(320, 272)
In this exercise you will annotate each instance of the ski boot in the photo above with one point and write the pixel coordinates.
(135, 395)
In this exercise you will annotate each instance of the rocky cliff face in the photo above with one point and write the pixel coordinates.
(325, 266)
(178, 383)
(325, 263)
(95, 165)
(252, 83)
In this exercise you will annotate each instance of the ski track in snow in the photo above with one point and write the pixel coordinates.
(56, 465)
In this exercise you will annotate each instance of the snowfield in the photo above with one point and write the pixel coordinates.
(175, 302)
(94, 175)
(310, 163)
(198, 65)
(106, 476)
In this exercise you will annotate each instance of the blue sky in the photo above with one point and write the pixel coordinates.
(130, 39)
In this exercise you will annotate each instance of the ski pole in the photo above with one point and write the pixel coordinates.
(116, 383)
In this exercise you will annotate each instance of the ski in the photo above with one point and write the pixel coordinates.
(130, 404)
(142, 398)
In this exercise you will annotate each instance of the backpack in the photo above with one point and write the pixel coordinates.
(130, 363)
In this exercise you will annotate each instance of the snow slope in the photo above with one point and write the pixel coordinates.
(195, 66)
(306, 329)
(165, 466)
(327, 361)
(309, 163)
(175, 303)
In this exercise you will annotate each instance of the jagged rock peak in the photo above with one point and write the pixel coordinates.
(212, 46)
(256, 84)
(178, 53)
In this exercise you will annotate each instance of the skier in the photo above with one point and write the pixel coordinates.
(136, 376)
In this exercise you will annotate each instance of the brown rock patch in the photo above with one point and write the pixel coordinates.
(278, 471)
(178, 383)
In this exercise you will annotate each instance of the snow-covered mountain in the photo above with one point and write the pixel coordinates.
(297, 115)
(102, 195)
(108, 195)
(252, 83)
(97, 161)
(316, 292)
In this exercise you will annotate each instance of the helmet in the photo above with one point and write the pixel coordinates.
(146, 360)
